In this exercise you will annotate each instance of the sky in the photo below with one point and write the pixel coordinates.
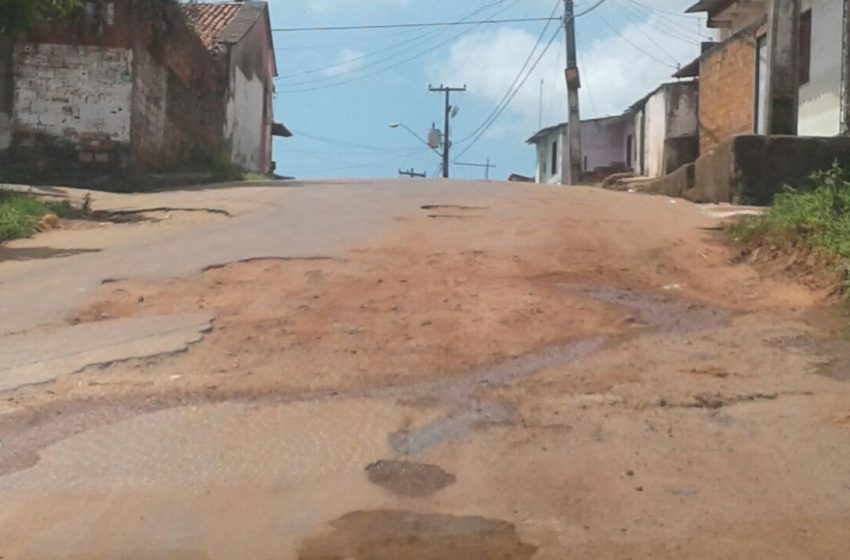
(338, 91)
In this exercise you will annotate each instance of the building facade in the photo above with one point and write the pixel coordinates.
(734, 73)
(604, 149)
(137, 84)
(665, 124)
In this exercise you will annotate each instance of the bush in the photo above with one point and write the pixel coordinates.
(817, 215)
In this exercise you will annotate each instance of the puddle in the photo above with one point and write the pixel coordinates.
(468, 411)
(397, 535)
(414, 480)
(661, 314)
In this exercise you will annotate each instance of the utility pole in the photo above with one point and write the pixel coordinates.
(446, 131)
(411, 173)
(573, 85)
(487, 167)
(784, 67)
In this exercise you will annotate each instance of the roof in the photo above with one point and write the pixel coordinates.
(710, 6)
(211, 19)
(225, 22)
(542, 133)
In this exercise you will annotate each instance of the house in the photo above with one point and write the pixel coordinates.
(664, 133)
(773, 99)
(143, 85)
(733, 73)
(240, 33)
(605, 149)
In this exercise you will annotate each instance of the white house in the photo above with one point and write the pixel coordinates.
(605, 148)
(665, 129)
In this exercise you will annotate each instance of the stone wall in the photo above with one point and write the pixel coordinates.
(7, 92)
(727, 90)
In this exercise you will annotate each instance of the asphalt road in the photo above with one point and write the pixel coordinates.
(417, 370)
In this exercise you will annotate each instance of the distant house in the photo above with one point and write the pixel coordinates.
(665, 129)
(605, 149)
(142, 84)
(733, 73)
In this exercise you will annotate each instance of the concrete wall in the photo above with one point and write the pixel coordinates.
(727, 91)
(820, 99)
(7, 92)
(655, 127)
(750, 169)
(249, 113)
(603, 143)
(73, 91)
(546, 175)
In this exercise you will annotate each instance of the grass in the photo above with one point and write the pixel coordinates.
(20, 214)
(816, 215)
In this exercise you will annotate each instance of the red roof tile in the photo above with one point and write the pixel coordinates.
(210, 19)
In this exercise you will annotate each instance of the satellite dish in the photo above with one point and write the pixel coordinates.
(455, 111)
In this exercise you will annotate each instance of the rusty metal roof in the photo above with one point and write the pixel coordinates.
(211, 19)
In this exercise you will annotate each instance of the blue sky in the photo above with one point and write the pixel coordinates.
(338, 91)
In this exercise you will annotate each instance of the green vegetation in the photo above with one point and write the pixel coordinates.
(17, 16)
(20, 214)
(817, 215)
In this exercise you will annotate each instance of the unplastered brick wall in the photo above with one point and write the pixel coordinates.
(79, 93)
(727, 91)
(150, 88)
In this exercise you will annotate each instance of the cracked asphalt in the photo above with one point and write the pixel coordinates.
(417, 370)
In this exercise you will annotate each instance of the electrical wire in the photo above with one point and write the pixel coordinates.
(507, 103)
(633, 44)
(323, 83)
(412, 25)
(660, 25)
(393, 47)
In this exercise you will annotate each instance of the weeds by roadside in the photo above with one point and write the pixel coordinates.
(815, 217)
(20, 214)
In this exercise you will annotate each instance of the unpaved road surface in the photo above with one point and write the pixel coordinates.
(418, 371)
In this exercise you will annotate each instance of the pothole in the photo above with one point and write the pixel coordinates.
(431, 207)
(414, 480)
(396, 535)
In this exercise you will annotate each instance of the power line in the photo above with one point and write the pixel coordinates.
(518, 77)
(393, 47)
(633, 44)
(659, 25)
(511, 97)
(300, 86)
(411, 25)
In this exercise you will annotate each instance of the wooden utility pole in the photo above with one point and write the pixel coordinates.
(845, 73)
(572, 176)
(412, 174)
(784, 67)
(447, 144)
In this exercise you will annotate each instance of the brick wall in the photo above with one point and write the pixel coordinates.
(727, 91)
(78, 93)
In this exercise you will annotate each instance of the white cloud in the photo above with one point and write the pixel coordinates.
(616, 71)
(331, 6)
(348, 61)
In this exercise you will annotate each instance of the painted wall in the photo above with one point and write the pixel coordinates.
(70, 91)
(249, 115)
(820, 99)
(546, 174)
(655, 134)
(603, 143)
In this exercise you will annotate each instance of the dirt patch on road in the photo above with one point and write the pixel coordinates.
(414, 480)
(392, 535)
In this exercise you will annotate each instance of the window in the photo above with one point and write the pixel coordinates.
(805, 47)
(554, 157)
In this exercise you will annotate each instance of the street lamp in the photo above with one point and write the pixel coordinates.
(410, 130)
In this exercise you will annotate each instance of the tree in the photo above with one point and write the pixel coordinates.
(17, 16)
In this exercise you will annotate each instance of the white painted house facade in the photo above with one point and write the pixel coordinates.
(604, 149)
(666, 129)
